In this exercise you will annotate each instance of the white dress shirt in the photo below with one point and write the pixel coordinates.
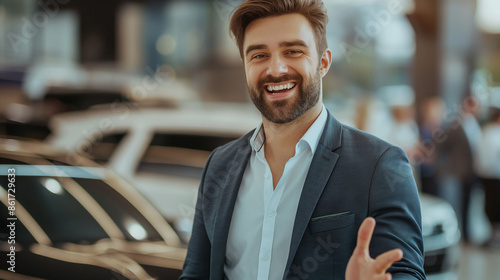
(261, 227)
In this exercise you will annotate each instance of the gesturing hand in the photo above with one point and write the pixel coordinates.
(361, 266)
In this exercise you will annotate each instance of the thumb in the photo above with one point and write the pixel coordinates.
(365, 233)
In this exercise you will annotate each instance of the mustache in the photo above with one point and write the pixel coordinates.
(275, 80)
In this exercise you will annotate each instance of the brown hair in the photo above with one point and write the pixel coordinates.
(313, 10)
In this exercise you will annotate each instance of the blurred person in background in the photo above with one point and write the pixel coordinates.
(373, 116)
(391, 116)
(432, 120)
(403, 130)
(456, 153)
(489, 170)
(286, 200)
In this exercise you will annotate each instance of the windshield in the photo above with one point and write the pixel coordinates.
(43, 191)
(57, 212)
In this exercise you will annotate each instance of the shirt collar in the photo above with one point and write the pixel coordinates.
(258, 138)
(311, 137)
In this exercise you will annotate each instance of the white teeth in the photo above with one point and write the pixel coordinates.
(280, 87)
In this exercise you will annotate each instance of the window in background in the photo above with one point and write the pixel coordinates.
(487, 15)
(31, 33)
(177, 33)
(372, 45)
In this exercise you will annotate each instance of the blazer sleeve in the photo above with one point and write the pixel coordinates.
(197, 263)
(394, 203)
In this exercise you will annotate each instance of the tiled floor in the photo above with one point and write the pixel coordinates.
(479, 263)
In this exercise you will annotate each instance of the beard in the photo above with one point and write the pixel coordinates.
(285, 111)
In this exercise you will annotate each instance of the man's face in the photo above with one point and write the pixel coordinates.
(282, 67)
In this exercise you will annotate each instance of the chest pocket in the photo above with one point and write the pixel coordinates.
(331, 222)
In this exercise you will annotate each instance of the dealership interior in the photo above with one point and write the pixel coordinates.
(112, 108)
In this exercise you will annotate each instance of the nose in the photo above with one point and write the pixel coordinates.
(276, 66)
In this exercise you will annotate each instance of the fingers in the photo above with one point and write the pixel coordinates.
(386, 276)
(385, 260)
(365, 233)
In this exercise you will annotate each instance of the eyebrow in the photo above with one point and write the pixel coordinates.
(282, 44)
(255, 47)
(294, 43)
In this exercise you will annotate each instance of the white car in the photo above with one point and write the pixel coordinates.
(441, 238)
(162, 153)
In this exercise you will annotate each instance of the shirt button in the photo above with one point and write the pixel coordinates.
(271, 213)
(265, 257)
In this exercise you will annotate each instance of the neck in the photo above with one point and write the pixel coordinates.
(282, 138)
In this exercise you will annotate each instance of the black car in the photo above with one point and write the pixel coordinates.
(78, 222)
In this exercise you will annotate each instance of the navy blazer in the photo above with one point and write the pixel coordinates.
(353, 175)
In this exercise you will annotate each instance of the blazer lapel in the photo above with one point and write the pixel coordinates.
(321, 168)
(225, 210)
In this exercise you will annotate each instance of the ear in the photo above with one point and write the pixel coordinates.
(326, 61)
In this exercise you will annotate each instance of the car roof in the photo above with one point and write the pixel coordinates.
(213, 119)
(200, 112)
(32, 149)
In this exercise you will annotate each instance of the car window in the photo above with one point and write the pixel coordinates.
(131, 222)
(103, 148)
(57, 212)
(74, 100)
(180, 154)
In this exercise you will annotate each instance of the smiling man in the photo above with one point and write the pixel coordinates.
(298, 197)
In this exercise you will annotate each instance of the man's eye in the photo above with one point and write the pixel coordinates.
(258, 56)
(294, 52)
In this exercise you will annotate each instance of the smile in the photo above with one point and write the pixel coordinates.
(280, 88)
